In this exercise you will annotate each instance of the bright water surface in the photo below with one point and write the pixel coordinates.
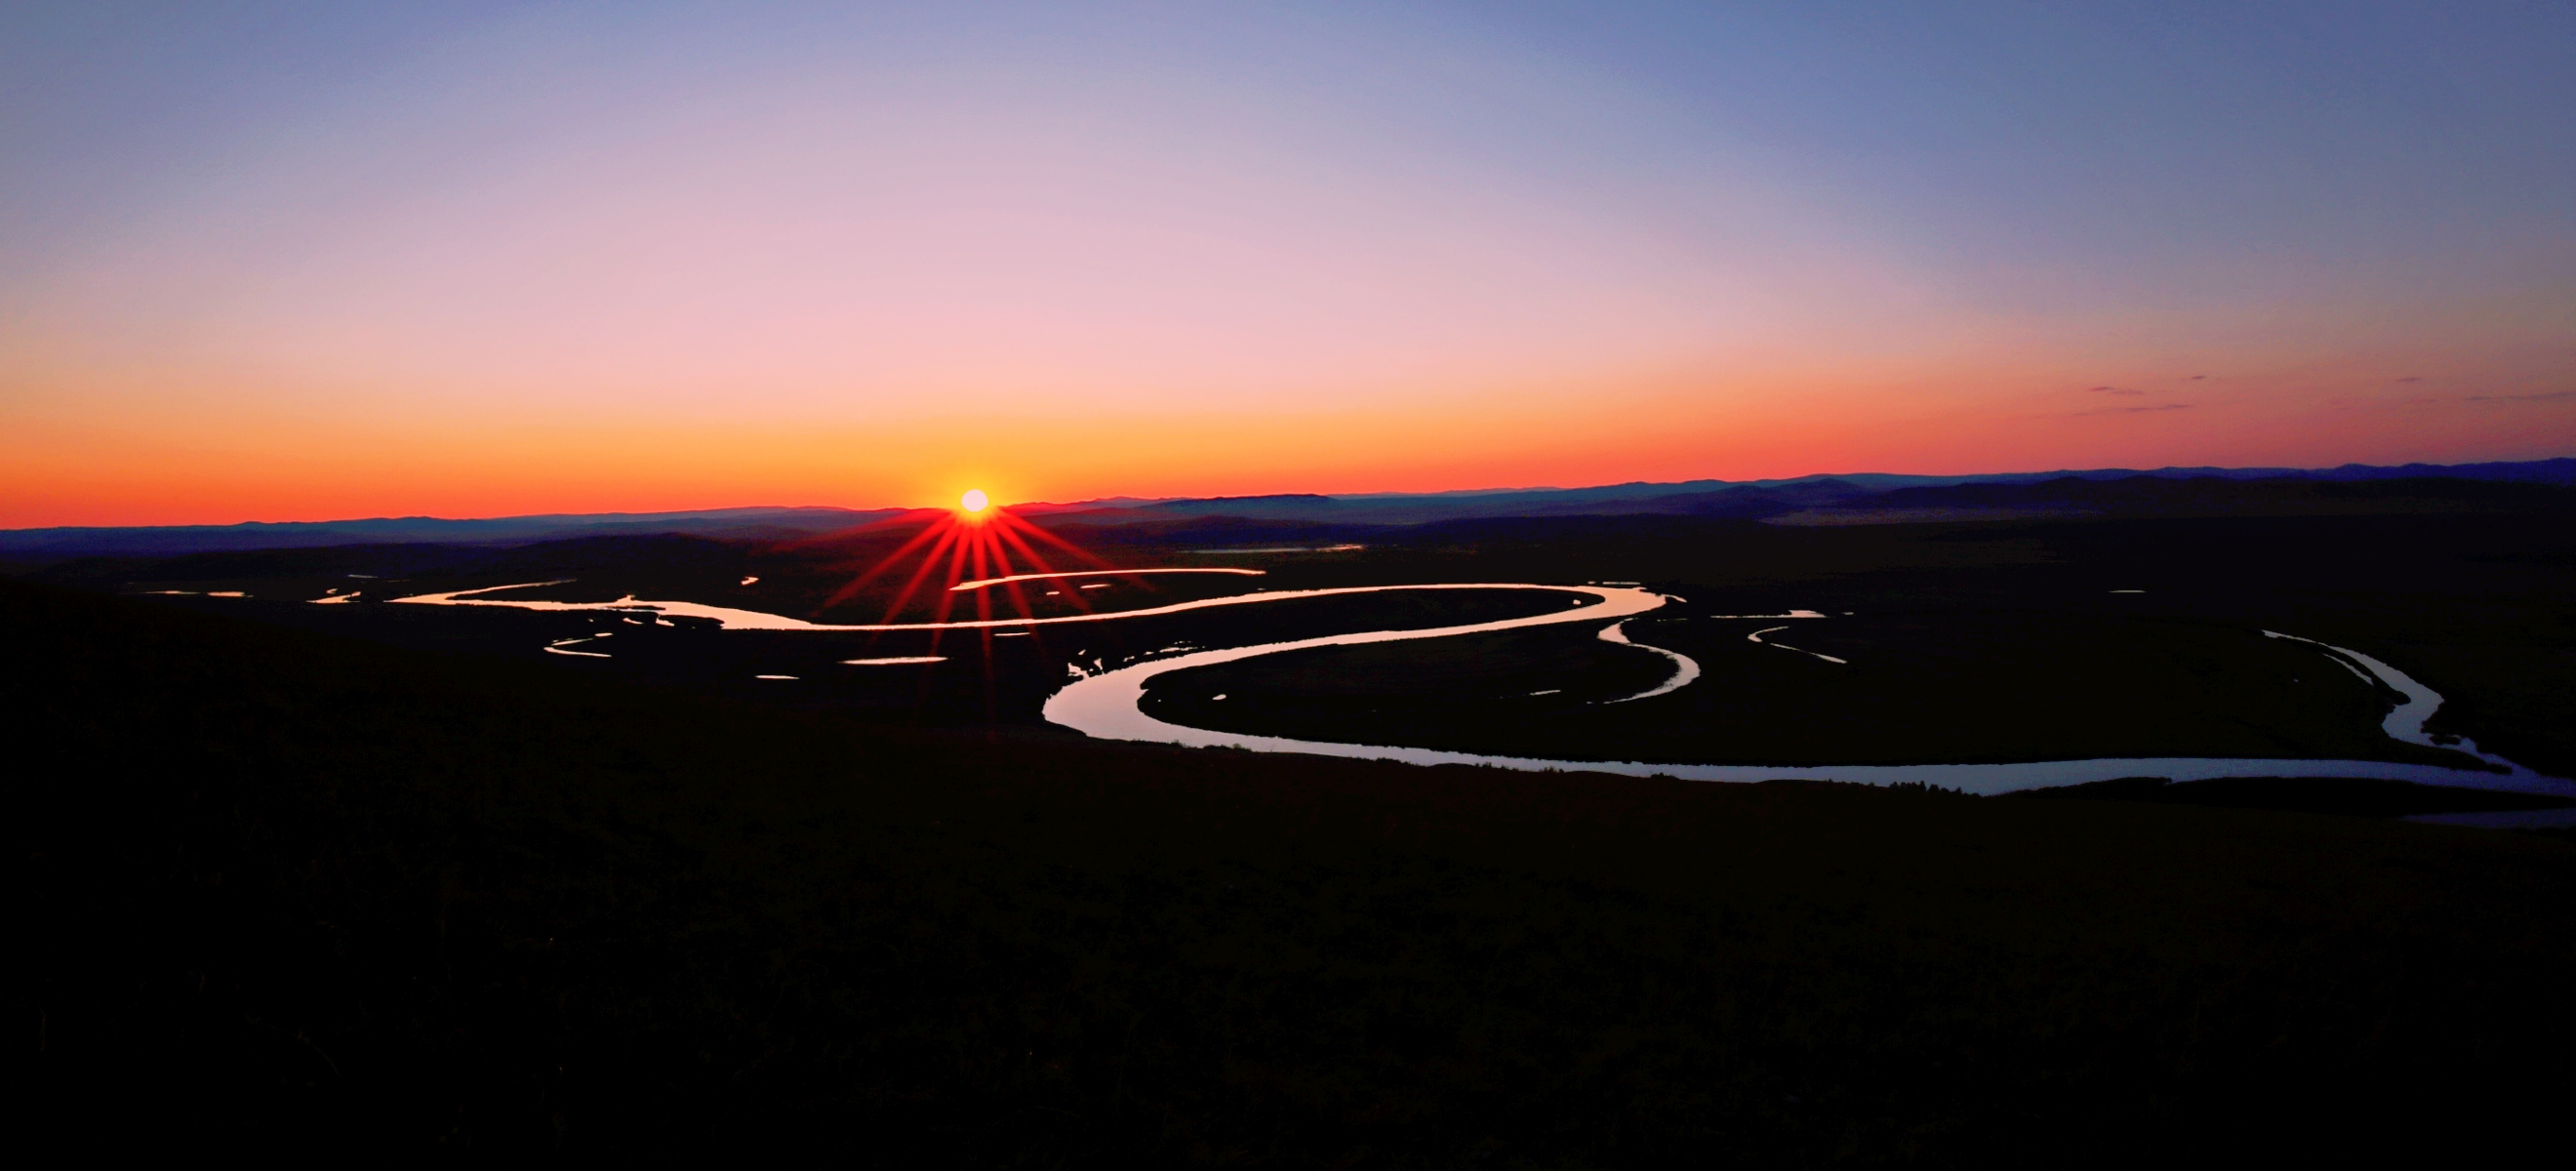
(1105, 703)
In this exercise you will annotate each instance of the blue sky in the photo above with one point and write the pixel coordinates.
(998, 240)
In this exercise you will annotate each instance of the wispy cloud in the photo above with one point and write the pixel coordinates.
(2550, 396)
(2136, 410)
(2114, 390)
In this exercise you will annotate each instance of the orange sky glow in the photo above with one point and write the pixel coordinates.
(549, 261)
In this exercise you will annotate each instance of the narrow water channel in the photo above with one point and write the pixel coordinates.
(1106, 704)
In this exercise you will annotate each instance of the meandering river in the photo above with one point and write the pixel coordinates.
(1106, 704)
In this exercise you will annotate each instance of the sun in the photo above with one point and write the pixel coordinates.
(954, 554)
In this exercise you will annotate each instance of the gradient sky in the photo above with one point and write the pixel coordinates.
(312, 261)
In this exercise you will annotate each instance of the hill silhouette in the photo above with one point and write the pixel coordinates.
(1755, 499)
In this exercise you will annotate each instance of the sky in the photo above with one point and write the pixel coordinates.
(314, 261)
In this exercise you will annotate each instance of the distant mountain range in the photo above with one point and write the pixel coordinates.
(1721, 497)
(1819, 499)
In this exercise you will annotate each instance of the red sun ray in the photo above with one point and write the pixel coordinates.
(957, 555)
(929, 562)
(938, 528)
(1019, 599)
(985, 547)
(1016, 525)
(1073, 598)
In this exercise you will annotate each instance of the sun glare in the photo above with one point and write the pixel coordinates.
(975, 546)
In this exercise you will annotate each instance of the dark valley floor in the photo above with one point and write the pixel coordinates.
(285, 889)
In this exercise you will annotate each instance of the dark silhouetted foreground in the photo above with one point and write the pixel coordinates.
(282, 890)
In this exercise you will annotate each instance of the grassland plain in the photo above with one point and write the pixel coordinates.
(1993, 641)
(1958, 683)
(287, 889)
(1967, 641)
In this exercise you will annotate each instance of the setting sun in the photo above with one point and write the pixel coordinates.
(974, 500)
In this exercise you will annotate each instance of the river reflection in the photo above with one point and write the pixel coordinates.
(1104, 702)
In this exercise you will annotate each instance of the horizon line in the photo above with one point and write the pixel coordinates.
(1148, 501)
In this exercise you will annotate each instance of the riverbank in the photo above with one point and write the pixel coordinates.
(292, 889)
